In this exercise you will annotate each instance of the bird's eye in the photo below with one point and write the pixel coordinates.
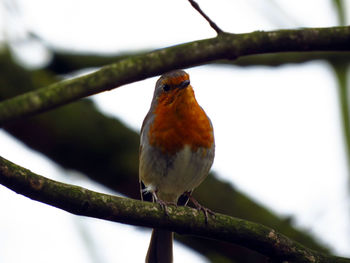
(166, 87)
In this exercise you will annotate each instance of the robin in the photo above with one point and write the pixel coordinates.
(176, 151)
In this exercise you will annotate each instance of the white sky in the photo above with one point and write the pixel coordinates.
(278, 131)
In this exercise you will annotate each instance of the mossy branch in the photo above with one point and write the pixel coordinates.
(224, 46)
(64, 62)
(183, 220)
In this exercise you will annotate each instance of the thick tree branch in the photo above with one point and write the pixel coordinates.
(64, 62)
(224, 46)
(80, 201)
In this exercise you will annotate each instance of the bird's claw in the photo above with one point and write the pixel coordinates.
(164, 205)
(199, 207)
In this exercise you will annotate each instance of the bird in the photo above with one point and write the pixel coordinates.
(177, 150)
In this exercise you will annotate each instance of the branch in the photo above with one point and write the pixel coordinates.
(64, 62)
(211, 22)
(135, 68)
(80, 201)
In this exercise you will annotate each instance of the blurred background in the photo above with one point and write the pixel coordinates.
(281, 125)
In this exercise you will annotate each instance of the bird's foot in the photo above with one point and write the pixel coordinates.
(199, 207)
(164, 205)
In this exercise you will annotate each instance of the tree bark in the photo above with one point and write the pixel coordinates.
(184, 220)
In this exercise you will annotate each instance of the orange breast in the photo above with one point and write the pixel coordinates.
(180, 121)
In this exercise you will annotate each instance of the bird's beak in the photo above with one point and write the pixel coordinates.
(184, 84)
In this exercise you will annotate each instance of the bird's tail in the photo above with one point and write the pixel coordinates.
(160, 249)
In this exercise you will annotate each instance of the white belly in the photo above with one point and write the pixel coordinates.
(171, 176)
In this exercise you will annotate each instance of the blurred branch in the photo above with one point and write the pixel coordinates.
(224, 46)
(341, 73)
(65, 62)
(340, 8)
(279, 59)
(184, 220)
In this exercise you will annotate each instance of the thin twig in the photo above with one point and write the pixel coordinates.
(211, 22)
